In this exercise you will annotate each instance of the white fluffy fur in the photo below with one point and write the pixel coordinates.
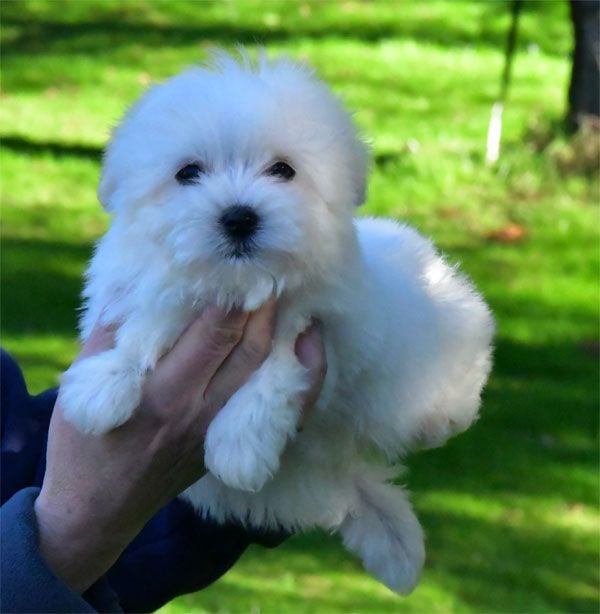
(408, 338)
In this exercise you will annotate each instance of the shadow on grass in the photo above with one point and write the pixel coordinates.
(118, 27)
(45, 36)
(29, 147)
(41, 283)
(57, 149)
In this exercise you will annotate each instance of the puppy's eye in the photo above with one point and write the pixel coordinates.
(189, 174)
(281, 170)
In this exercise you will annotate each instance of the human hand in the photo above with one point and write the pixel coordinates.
(98, 492)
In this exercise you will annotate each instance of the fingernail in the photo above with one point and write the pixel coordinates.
(269, 306)
(216, 313)
(236, 313)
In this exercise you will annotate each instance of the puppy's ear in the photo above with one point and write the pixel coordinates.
(118, 154)
(107, 186)
(360, 167)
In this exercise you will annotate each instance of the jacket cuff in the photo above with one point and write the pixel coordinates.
(28, 583)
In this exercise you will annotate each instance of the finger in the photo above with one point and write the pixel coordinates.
(310, 351)
(200, 351)
(101, 338)
(247, 356)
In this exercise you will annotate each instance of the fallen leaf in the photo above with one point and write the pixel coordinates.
(450, 213)
(507, 234)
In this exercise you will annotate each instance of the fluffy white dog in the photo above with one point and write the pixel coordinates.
(232, 183)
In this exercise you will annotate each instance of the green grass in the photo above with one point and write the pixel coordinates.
(511, 507)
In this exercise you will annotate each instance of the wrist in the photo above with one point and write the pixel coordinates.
(73, 545)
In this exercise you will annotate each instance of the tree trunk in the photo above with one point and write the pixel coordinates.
(584, 90)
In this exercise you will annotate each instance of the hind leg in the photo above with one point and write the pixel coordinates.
(383, 531)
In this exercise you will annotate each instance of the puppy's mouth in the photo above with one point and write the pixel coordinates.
(241, 250)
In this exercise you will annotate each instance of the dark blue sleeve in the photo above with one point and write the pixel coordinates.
(24, 432)
(177, 552)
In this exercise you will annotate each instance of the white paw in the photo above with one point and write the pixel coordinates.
(235, 456)
(100, 393)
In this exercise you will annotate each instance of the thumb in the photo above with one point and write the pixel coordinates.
(310, 351)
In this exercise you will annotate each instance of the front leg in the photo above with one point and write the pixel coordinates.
(101, 392)
(245, 441)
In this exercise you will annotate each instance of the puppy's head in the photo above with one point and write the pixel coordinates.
(245, 176)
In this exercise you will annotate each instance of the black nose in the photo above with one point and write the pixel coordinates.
(239, 221)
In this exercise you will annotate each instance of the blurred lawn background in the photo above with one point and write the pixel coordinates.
(511, 507)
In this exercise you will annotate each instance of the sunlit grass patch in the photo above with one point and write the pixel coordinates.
(43, 356)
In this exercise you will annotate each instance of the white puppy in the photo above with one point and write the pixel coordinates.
(232, 183)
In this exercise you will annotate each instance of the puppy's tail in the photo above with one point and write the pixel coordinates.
(383, 531)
